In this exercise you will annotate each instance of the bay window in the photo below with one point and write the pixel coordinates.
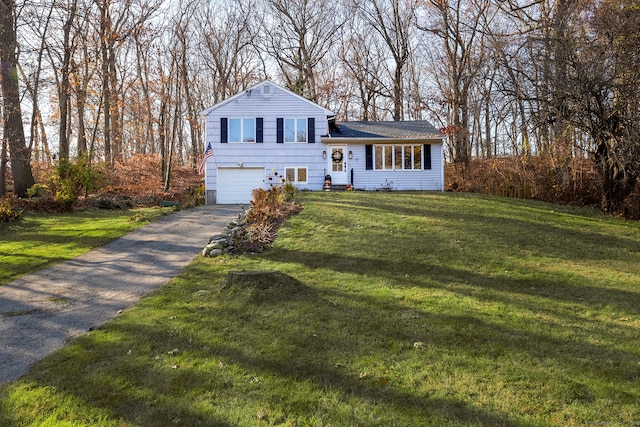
(397, 157)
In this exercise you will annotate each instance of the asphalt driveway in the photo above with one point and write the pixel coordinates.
(39, 312)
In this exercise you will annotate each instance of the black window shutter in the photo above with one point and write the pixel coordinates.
(427, 156)
(259, 129)
(368, 156)
(279, 130)
(224, 130)
(311, 130)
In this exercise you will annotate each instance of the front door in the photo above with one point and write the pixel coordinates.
(338, 164)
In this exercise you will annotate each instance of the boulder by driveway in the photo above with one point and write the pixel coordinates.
(39, 312)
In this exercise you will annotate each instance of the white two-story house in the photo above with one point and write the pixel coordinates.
(267, 133)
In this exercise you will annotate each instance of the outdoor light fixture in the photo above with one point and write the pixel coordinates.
(324, 154)
(350, 155)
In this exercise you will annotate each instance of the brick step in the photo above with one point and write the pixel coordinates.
(338, 187)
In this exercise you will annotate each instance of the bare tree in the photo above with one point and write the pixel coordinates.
(602, 93)
(3, 161)
(12, 112)
(458, 25)
(39, 140)
(227, 31)
(39, 20)
(64, 86)
(393, 21)
(144, 48)
(117, 23)
(584, 80)
(298, 34)
(361, 57)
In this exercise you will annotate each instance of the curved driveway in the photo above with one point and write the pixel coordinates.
(39, 312)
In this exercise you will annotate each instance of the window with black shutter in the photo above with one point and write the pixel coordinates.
(224, 135)
(259, 130)
(427, 156)
(311, 129)
(280, 130)
(368, 155)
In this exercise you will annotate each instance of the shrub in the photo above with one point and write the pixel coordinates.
(194, 197)
(38, 190)
(289, 191)
(7, 211)
(268, 210)
(72, 179)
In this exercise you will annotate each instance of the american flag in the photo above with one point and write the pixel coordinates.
(203, 163)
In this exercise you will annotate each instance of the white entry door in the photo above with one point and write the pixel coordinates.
(338, 164)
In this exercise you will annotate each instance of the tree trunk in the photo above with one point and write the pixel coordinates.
(82, 131)
(12, 113)
(116, 122)
(105, 25)
(147, 145)
(65, 87)
(487, 126)
(38, 132)
(162, 133)
(3, 167)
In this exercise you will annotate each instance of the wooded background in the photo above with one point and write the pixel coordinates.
(540, 97)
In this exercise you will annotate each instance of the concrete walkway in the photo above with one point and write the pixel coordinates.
(39, 312)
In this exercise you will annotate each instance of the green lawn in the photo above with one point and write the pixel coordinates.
(37, 241)
(403, 309)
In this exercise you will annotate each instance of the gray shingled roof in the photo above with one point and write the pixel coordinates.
(415, 129)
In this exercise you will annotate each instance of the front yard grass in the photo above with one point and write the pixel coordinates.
(404, 309)
(39, 240)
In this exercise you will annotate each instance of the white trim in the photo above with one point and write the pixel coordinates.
(242, 124)
(295, 130)
(394, 158)
(296, 169)
(347, 140)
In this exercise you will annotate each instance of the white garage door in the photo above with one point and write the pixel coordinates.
(236, 184)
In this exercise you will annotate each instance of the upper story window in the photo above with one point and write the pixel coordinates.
(295, 130)
(242, 130)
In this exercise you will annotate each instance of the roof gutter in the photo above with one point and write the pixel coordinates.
(330, 139)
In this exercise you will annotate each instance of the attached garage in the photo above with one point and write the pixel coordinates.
(236, 184)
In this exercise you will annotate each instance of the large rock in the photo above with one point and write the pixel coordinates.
(223, 243)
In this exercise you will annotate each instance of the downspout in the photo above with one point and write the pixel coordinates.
(442, 163)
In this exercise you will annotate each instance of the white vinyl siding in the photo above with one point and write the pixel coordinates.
(429, 179)
(278, 104)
